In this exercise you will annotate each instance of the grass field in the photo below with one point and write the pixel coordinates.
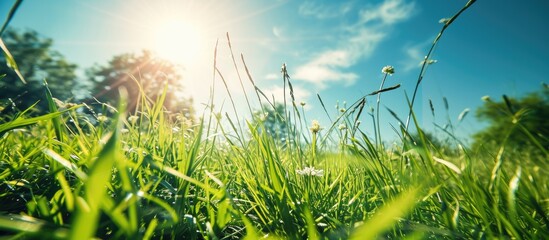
(153, 174)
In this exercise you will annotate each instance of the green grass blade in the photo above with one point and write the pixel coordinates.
(150, 229)
(86, 220)
(11, 61)
(30, 227)
(312, 233)
(387, 216)
(10, 15)
(21, 122)
(52, 107)
(67, 164)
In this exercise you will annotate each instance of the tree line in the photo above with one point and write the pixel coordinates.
(39, 62)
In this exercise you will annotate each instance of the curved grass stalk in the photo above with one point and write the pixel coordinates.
(447, 23)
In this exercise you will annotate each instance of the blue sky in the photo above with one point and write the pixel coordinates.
(334, 48)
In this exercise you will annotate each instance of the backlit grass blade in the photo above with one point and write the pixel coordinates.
(30, 227)
(511, 195)
(463, 114)
(11, 61)
(448, 164)
(387, 216)
(9, 58)
(21, 122)
(238, 73)
(312, 233)
(65, 186)
(67, 164)
(251, 231)
(182, 176)
(150, 229)
(52, 107)
(86, 220)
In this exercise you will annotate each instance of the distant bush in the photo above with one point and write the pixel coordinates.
(517, 124)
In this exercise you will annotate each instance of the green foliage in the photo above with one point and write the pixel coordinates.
(273, 121)
(521, 122)
(145, 71)
(36, 61)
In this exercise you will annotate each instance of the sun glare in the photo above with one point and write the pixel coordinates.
(178, 41)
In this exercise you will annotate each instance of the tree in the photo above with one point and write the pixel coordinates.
(134, 70)
(524, 120)
(36, 61)
(271, 119)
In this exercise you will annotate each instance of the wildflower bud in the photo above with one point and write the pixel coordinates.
(263, 117)
(342, 127)
(486, 98)
(102, 118)
(302, 104)
(388, 70)
(428, 61)
(315, 127)
(444, 20)
(71, 105)
(59, 103)
(133, 119)
(283, 68)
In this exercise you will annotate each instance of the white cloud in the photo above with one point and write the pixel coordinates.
(357, 42)
(321, 75)
(364, 41)
(325, 68)
(414, 58)
(300, 93)
(338, 58)
(389, 12)
(415, 55)
(324, 10)
(277, 32)
(273, 76)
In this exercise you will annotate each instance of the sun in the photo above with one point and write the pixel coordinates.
(177, 41)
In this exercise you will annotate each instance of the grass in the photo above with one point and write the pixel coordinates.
(153, 175)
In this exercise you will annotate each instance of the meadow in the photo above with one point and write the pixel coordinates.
(152, 174)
